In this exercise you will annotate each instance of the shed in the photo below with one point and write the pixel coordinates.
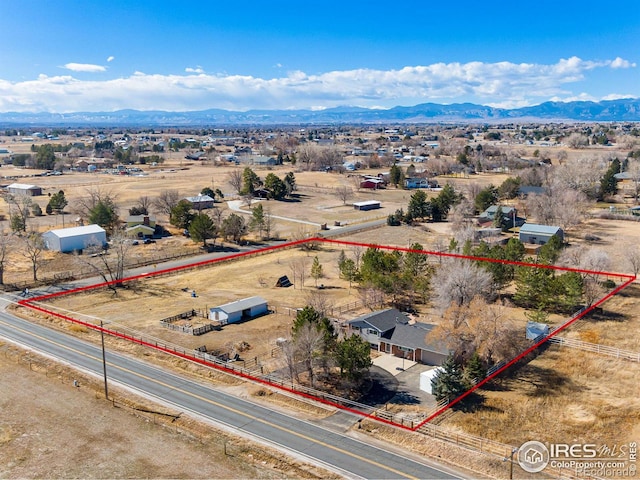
(426, 377)
(367, 205)
(74, 238)
(539, 234)
(535, 330)
(24, 189)
(244, 309)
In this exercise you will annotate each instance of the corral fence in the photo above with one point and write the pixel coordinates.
(170, 323)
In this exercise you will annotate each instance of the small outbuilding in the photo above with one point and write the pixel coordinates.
(244, 309)
(426, 378)
(539, 234)
(24, 189)
(75, 238)
(200, 202)
(367, 205)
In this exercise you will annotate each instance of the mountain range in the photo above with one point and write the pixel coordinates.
(623, 110)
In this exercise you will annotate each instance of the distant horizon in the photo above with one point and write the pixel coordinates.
(156, 55)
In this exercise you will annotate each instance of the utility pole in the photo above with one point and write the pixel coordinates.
(104, 362)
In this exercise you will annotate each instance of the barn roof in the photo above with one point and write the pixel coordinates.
(533, 228)
(77, 231)
(240, 305)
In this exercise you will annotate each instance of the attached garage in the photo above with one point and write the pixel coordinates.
(244, 309)
(75, 238)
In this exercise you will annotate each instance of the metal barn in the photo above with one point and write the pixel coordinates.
(244, 309)
(75, 238)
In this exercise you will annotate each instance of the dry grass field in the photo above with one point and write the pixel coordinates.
(562, 395)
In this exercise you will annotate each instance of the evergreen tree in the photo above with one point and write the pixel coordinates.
(448, 384)
(181, 215)
(104, 213)
(277, 188)
(353, 356)
(418, 208)
(202, 228)
(316, 269)
(58, 202)
(474, 370)
(396, 176)
(257, 222)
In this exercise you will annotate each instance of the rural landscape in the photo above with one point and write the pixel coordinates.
(335, 230)
(324, 241)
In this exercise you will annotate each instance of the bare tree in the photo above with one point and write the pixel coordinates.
(110, 268)
(458, 281)
(33, 250)
(144, 203)
(298, 268)
(309, 340)
(344, 193)
(577, 140)
(19, 207)
(5, 242)
(236, 180)
(269, 223)
(92, 197)
(288, 348)
(166, 200)
(319, 301)
(479, 327)
(632, 256)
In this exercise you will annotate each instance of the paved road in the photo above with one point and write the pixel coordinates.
(345, 455)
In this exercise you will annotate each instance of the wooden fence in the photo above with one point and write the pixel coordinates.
(596, 348)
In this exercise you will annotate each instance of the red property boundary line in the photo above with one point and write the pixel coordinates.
(31, 303)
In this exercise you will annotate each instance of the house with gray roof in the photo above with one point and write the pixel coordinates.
(391, 331)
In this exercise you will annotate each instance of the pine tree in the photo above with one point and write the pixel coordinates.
(448, 384)
(474, 370)
(316, 269)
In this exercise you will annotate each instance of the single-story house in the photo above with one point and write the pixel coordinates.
(92, 164)
(367, 205)
(372, 183)
(140, 231)
(526, 190)
(509, 216)
(539, 234)
(24, 189)
(244, 309)
(200, 202)
(74, 238)
(134, 220)
(409, 340)
(391, 331)
(416, 182)
(265, 161)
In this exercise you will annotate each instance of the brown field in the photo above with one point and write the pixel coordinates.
(562, 395)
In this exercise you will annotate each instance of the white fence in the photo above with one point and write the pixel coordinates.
(596, 348)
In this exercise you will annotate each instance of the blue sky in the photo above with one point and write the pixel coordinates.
(64, 55)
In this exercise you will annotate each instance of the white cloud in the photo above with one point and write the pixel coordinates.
(504, 84)
(622, 63)
(110, 58)
(84, 67)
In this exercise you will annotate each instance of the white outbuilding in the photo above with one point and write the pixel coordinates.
(426, 377)
(244, 309)
(74, 238)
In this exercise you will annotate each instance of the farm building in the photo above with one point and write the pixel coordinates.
(74, 238)
(367, 205)
(372, 183)
(539, 234)
(244, 309)
(24, 189)
(392, 332)
(200, 202)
